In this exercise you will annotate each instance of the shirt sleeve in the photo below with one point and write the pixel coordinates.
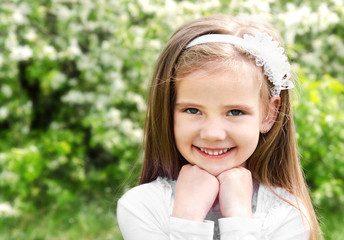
(135, 223)
(236, 228)
(283, 223)
(290, 223)
(144, 213)
(182, 229)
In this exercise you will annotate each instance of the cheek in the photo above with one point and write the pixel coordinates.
(183, 123)
(186, 131)
(179, 128)
(253, 142)
(249, 135)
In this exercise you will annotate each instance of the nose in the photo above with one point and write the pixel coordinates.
(213, 130)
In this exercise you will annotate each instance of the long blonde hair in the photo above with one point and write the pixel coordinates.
(274, 163)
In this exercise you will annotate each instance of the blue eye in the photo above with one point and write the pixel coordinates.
(235, 112)
(192, 111)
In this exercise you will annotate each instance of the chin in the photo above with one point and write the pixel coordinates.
(215, 171)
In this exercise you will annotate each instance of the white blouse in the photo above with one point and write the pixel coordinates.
(144, 213)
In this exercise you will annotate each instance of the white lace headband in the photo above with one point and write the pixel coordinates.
(264, 49)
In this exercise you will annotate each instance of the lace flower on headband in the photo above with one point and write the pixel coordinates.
(267, 52)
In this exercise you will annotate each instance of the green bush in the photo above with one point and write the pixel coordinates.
(319, 125)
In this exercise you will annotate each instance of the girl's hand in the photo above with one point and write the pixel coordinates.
(196, 191)
(235, 193)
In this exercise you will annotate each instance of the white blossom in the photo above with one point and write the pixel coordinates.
(9, 177)
(55, 126)
(75, 27)
(31, 35)
(155, 44)
(6, 210)
(113, 116)
(53, 164)
(297, 20)
(105, 45)
(64, 13)
(338, 3)
(115, 140)
(3, 113)
(117, 83)
(147, 7)
(6, 90)
(21, 53)
(49, 52)
(137, 134)
(138, 99)
(58, 80)
(74, 49)
(106, 58)
(134, 11)
(326, 17)
(18, 17)
(84, 62)
(2, 158)
(336, 42)
(20, 12)
(127, 126)
(77, 97)
(139, 33)
(33, 149)
(11, 41)
(25, 129)
(101, 102)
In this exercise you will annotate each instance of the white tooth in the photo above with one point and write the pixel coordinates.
(206, 151)
(202, 149)
(226, 150)
(221, 151)
(210, 152)
(216, 153)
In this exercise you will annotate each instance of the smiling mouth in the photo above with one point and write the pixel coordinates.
(213, 152)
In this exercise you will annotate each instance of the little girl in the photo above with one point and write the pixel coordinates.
(220, 155)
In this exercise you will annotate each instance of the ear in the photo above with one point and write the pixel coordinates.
(269, 120)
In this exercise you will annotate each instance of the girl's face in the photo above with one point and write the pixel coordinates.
(217, 118)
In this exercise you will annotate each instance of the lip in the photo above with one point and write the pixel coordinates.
(222, 155)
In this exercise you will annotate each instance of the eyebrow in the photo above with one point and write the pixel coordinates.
(187, 104)
(244, 107)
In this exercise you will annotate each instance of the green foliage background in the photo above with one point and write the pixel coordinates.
(73, 81)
